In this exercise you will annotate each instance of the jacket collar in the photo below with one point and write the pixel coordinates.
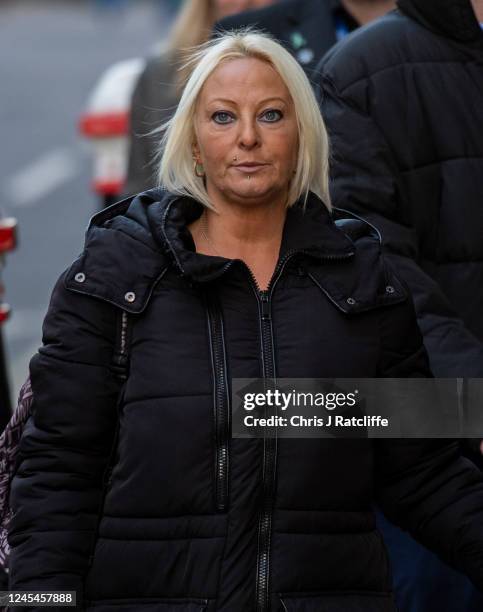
(451, 18)
(308, 229)
(130, 245)
(121, 262)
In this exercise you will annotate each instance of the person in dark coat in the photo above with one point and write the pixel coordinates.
(309, 28)
(403, 101)
(409, 89)
(233, 269)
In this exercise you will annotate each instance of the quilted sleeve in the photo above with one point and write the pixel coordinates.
(65, 446)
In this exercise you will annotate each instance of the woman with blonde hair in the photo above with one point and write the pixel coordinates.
(160, 85)
(130, 489)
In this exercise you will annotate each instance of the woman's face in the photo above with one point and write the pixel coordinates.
(246, 132)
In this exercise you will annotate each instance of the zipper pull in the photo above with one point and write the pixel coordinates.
(265, 305)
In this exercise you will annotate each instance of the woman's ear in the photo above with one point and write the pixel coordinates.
(195, 150)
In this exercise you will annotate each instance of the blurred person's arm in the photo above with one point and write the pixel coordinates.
(425, 486)
(365, 180)
(153, 102)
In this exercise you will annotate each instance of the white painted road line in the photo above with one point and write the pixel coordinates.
(29, 186)
(24, 323)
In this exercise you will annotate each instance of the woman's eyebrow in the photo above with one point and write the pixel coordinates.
(234, 103)
(224, 100)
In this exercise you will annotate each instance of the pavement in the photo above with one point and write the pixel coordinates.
(56, 51)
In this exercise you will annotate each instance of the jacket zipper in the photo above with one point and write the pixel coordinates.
(123, 343)
(221, 402)
(121, 369)
(269, 443)
(262, 602)
(269, 465)
(120, 357)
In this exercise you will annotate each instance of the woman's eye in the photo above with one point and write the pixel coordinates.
(272, 115)
(222, 117)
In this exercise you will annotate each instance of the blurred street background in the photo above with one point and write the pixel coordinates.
(52, 55)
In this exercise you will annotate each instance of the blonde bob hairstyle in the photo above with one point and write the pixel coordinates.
(176, 172)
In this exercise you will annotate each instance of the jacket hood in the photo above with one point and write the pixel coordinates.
(451, 18)
(130, 245)
(309, 229)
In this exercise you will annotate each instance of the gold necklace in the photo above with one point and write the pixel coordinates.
(204, 232)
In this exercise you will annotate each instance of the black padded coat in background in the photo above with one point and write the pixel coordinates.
(306, 28)
(193, 520)
(403, 102)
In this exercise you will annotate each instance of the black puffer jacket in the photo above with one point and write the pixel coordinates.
(195, 520)
(306, 28)
(403, 101)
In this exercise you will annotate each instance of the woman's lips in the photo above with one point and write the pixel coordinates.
(249, 167)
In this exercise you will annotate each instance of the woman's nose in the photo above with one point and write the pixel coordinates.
(248, 136)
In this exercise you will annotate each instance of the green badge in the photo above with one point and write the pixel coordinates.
(297, 40)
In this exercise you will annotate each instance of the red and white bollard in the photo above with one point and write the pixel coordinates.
(105, 124)
(8, 242)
